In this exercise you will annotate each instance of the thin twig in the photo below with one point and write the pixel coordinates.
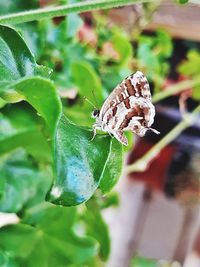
(56, 11)
(175, 89)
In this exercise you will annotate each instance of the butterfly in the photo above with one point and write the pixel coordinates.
(127, 108)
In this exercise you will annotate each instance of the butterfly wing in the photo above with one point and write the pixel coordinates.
(134, 85)
(128, 107)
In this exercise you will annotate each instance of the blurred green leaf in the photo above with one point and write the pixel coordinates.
(80, 114)
(190, 68)
(87, 80)
(2, 103)
(183, 1)
(21, 182)
(6, 260)
(49, 241)
(123, 46)
(19, 127)
(17, 64)
(41, 94)
(113, 75)
(196, 92)
(79, 163)
(163, 43)
(152, 53)
(16, 60)
(74, 22)
(147, 58)
(142, 262)
(9, 6)
(113, 167)
(96, 227)
(111, 200)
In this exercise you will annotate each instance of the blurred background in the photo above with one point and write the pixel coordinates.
(152, 216)
(159, 215)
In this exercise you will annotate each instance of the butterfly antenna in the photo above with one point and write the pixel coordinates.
(95, 99)
(86, 99)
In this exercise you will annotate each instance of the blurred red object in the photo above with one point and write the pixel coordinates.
(109, 51)
(87, 35)
(155, 174)
(44, 3)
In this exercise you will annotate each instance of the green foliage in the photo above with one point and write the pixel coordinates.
(10, 6)
(16, 60)
(22, 183)
(152, 54)
(49, 239)
(18, 126)
(96, 227)
(123, 46)
(190, 68)
(183, 1)
(46, 152)
(78, 174)
(41, 94)
(142, 262)
(42, 149)
(85, 77)
(113, 168)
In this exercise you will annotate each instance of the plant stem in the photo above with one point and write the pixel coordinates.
(141, 164)
(175, 89)
(56, 11)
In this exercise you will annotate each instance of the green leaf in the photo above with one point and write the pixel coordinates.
(16, 60)
(97, 228)
(87, 80)
(17, 65)
(74, 22)
(80, 163)
(11, 6)
(6, 260)
(110, 200)
(148, 59)
(183, 1)
(19, 127)
(163, 42)
(42, 95)
(21, 182)
(49, 241)
(2, 103)
(190, 68)
(123, 46)
(152, 53)
(142, 262)
(113, 167)
(76, 114)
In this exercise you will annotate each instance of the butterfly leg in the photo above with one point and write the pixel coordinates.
(111, 135)
(94, 127)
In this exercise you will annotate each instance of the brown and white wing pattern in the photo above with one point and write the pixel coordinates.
(128, 108)
(134, 85)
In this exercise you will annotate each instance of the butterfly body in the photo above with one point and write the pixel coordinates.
(127, 108)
